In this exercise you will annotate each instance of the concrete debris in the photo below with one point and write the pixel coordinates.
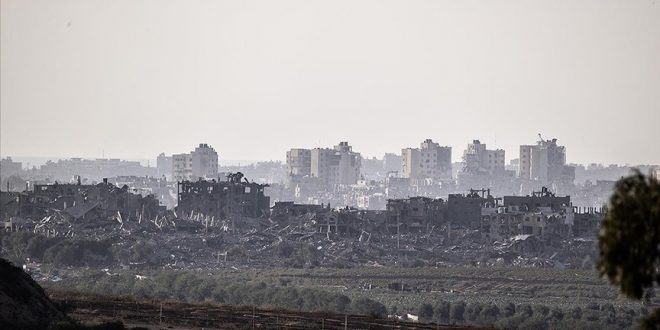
(229, 224)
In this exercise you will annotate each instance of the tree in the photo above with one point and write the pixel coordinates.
(509, 309)
(441, 312)
(576, 313)
(457, 311)
(630, 236)
(366, 306)
(489, 314)
(426, 311)
(472, 311)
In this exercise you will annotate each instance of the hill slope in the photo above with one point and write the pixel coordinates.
(23, 303)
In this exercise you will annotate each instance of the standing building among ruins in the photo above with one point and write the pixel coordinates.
(9, 167)
(299, 162)
(392, 162)
(339, 165)
(479, 160)
(200, 163)
(429, 161)
(164, 166)
(545, 162)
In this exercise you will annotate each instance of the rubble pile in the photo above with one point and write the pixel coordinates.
(229, 224)
(176, 243)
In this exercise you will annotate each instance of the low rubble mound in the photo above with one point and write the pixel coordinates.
(23, 303)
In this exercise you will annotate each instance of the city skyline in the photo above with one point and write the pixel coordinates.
(457, 155)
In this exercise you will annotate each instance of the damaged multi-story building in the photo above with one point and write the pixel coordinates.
(465, 209)
(414, 214)
(80, 202)
(541, 214)
(220, 200)
(545, 162)
(477, 159)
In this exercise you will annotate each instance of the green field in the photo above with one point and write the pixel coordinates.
(544, 295)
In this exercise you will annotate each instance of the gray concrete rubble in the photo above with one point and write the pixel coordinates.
(229, 224)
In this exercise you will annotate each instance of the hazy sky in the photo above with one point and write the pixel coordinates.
(255, 78)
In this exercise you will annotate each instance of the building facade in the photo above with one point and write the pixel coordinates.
(340, 165)
(200, 163)
(8, 167)
(430, 160)
(204, 162)
(299, 162)
(181, 167)
(477, 159)
(233, 199)
(545, 162)
(164, 166)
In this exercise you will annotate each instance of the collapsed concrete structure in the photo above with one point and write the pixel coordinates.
(235, 197)
(77, 202)
(542, 214)
(230, 222)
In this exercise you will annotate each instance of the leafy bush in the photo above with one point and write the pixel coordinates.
(367, 306)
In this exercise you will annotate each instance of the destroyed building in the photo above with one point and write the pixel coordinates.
(542, 214)
(93, 169)
(79, 202)
(282, 209)
(414, 214)
(539, 199)
(479, 160)
(465, 210)
(586, 220)
(349, 221)
(235, 197)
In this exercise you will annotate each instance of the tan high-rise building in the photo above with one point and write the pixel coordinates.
(299, 162)
(181, 167)
(200, 163)
(340, 165)
(204, 162)
(479, 160)
(430, 160)
(545, 162)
